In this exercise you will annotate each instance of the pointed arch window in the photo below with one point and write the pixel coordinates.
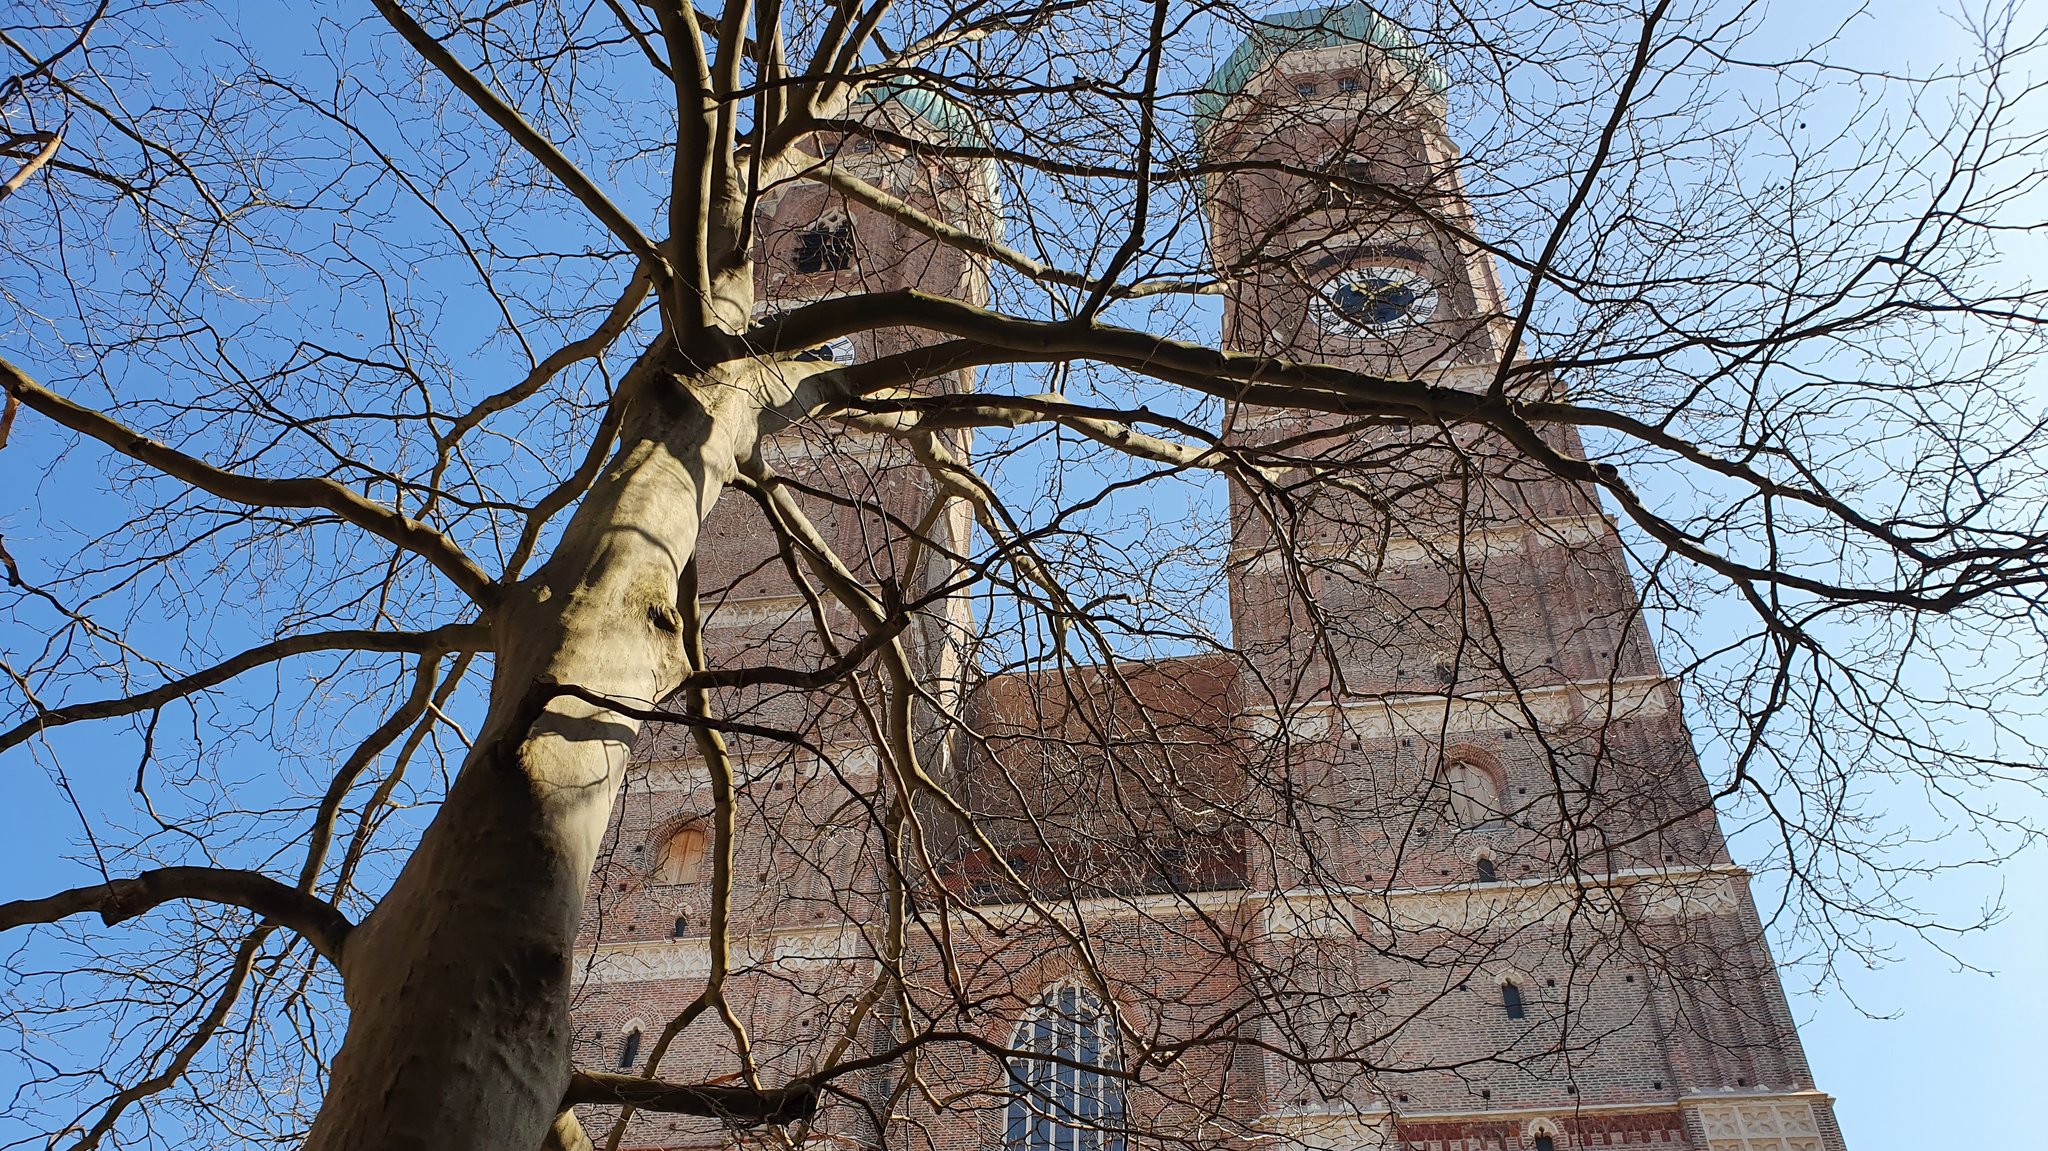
(1472, 793)
(629, 1048)
(1485, 871)
(1063, 1093)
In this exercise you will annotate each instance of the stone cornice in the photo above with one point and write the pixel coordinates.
(1650, 894)
(1431, 715)
(1381, 1113)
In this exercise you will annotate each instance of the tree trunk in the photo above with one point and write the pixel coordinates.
(458, 983)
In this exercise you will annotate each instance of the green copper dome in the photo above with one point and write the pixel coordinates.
(1278, 33)
(949, 116)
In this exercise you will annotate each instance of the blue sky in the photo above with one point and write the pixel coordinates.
(1953, 1060)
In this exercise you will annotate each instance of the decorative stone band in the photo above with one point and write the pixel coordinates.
(773, 611)
(1430, 716)
(1641, 894)
(790, 951)
(852, 761)
(1784, 1123)
(1645, 895)
(868, 449)
(1736, 1121)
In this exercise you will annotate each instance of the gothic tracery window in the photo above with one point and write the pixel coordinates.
(1065, 1099)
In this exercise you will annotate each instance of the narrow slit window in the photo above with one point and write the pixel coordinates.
(629, 1048)
(1511, 1000)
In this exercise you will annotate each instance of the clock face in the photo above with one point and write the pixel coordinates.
(1375, 300)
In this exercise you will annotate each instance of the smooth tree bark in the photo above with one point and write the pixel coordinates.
(458, 983)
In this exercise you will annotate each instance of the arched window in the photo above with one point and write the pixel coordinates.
(1545, 1143)
(629, 1048)
(1511, 1000)
(682, 857)
(1473, 796)
(1065, 1101)
(1484, 871)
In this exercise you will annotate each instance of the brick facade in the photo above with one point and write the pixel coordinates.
(1260, 858)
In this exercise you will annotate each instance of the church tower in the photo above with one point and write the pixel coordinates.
(1450, 654)
(1426, 862)
(805, 877)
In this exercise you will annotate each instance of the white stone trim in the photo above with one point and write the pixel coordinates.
(1310, 915)
(1528, 709)
(852, 445)
(1430, 716)
(817, 946)
(1300, 727)
(653, 961)
(753, 611)
(1326, 1130)
(1759, 1123)
(857, 761)
(1380, 1111)
(1298, 913)
(650, 962)
(1324, 912)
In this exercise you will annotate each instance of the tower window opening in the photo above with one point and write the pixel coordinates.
(1511, 1000)
(1472, 794)
(1545, 1143)
(682, 857)
(827, 247)
(1352, 181)
(629, 1048)
(1485, 872)
(1064, 1093)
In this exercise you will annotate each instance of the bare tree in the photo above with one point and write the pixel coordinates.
(388, 365)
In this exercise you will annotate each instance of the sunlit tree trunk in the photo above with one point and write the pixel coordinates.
(458, 983)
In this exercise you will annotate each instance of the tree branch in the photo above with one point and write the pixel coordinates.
(384, 522)
(523, 133)
(736, 1106)
(122, 899)
(46, 143)
(452, 637)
